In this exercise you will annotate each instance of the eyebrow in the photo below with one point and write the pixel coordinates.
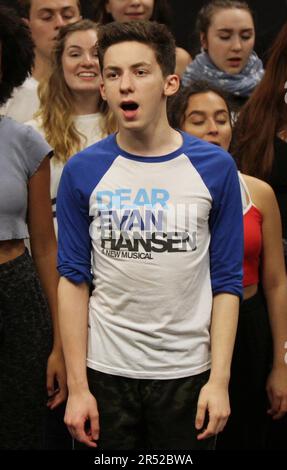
(76, 46)
(230, 30)
(203, 113)
(133, 66)
(51, 10)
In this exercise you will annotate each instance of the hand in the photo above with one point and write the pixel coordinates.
(213, 398)
(56, 379)
(82, 417)
(276, 387)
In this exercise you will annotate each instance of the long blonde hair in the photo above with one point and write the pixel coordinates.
(56, 102)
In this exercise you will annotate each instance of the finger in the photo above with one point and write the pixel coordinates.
(78, 432)
(275, 405)
(282, 409)
(50, 384)
(210, 430)
(200, 416)
(57, 399)
(95, 427)
(269, 394)
(278, 415)
(52, 397)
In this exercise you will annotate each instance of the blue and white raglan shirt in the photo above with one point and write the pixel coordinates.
(165, 235)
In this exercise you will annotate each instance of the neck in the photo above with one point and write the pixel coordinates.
(85, 103)
(152, 141)
(41, 67)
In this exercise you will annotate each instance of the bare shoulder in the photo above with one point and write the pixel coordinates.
(183, 58)
(261, 192)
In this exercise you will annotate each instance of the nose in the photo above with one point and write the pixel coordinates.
(88, 60)
(59, 21)
(135, 2)
(126, 83)
(212, 127)
(236, 43)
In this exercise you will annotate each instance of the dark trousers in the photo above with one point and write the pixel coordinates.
(148, 414)
(57, 436)
(26, 341)
(246, 428)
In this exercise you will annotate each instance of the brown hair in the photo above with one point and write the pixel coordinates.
(153, 34)
(178, 103)
(56, 103)
(204, 17)
(264, 114)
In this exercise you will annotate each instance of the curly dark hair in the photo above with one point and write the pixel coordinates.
(17, 52)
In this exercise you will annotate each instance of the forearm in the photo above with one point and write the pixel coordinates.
(73, 318)
(276, 298)
(45, 259)
(223, 331)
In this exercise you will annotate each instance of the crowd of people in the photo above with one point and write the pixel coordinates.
(143, 230)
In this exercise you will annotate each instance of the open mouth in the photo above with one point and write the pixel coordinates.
(129, 106)
(234, 60)
(129, 109)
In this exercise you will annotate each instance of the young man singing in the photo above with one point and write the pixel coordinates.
(161, 214)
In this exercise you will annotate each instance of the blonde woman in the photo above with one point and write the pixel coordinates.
(72, 114)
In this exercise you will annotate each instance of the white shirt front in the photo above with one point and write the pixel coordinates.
(89, 126)
(24, 102)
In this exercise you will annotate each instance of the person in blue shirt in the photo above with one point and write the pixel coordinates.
(152, 218)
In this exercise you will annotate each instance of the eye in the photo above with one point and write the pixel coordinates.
(246, 37)
(141, 72)
(74, 54)
(224, 38)
(197, 123)
(46, 17)
(111, 75)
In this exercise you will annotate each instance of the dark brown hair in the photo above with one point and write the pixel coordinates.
(204, 17)
(264, 114)
(153, 34)
(178, 103)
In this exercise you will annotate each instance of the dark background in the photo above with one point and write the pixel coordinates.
(269, 15)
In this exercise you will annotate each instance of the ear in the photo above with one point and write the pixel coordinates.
(171, 85)
(26, 21)
(203, 41)
(102, 91)
(107, 7)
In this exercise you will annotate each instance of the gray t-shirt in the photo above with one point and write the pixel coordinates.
(22, 150)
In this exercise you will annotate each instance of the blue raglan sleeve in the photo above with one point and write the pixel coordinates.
(226, 228)
(74, 243)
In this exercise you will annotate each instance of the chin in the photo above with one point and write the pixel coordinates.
(233, 71)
